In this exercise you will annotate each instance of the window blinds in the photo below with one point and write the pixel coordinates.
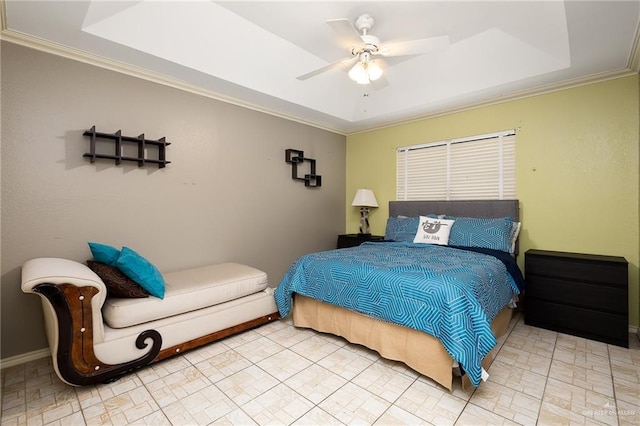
(476, 168)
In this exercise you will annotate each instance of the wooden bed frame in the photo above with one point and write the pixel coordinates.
(420, 351)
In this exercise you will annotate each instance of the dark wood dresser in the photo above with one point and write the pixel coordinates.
(584, 295)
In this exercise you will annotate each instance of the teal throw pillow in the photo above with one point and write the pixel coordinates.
(494, 233)
(401, 229)
(141, 271)
(103, 253)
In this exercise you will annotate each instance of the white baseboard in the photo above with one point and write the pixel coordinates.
(24, 358)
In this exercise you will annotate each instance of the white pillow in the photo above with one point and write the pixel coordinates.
(433, 231)
(515, 230)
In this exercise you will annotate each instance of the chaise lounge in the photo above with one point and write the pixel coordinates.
(96, 338)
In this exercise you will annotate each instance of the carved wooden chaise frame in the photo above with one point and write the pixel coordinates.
(71, 312)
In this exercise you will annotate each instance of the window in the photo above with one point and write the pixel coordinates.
(476, 168)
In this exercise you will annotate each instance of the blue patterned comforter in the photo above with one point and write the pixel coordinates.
(449, 293)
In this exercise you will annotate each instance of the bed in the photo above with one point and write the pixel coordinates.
(431, 316)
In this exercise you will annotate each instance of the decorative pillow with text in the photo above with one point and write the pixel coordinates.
(433, 231)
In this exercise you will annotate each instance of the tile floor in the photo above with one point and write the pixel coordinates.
(278, 374)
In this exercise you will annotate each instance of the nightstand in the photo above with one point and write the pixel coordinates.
(580, 294)
(352, 240)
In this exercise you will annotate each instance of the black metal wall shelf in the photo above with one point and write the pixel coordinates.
(295, 157)
(119, 139)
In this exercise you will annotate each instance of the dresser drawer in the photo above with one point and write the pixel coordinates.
(601, 326)
(599, 297)
(586, 269)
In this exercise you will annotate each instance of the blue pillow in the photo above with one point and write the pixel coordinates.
(479, 232)
(141, 271)
(103, 253)
(402, 228)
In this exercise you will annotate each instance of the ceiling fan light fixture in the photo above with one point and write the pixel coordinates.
(374, 71)
(359, 73)
(365, 71)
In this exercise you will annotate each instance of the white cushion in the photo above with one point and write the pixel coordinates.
(120, 346)
(187, 291)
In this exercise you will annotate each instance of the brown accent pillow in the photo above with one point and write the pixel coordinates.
(118, 284)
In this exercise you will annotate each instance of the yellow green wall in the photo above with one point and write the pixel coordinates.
(577, 160)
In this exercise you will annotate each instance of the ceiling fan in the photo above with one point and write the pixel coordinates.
(364, 47)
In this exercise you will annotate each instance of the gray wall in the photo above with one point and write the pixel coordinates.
(226, 196)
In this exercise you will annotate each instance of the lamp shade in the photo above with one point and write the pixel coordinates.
(364, 198)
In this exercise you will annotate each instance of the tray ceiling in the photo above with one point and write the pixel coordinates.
(250, 53)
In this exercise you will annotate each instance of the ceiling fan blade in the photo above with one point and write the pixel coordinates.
(342, 63)
(348, 34)
(415, 47)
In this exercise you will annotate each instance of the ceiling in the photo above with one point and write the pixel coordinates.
(251, 53)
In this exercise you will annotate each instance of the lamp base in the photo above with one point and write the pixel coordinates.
(364, 221)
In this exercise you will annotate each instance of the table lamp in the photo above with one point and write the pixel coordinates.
(364, 199)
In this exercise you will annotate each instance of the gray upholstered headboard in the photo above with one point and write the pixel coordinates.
(468, 208)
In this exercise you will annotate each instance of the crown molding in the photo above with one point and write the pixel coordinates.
(16, 37)
(57, 49)
(514, 96)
